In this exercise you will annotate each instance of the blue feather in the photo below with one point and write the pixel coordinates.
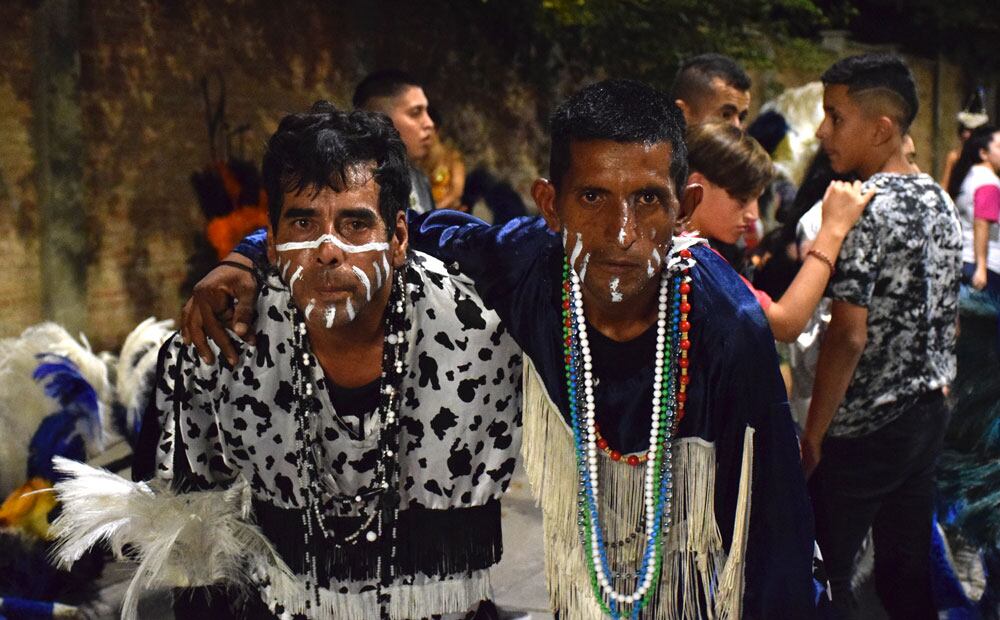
(77, 422)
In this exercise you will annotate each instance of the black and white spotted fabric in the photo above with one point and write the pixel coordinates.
(460, 414)
(902, 262)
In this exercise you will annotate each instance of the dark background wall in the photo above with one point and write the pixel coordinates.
(133, 108)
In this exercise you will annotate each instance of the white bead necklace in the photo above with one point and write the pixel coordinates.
(659, 391)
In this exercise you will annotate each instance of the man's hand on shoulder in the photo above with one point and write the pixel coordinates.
(223, 298)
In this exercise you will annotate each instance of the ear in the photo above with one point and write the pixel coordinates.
(544, 194)
(693, 194)
(685, 110)
(399, 241)
(885, 130)
(272, 250)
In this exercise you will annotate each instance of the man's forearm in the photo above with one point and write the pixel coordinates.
(839, 354)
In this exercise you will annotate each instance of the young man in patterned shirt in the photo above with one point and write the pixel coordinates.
(878, 413)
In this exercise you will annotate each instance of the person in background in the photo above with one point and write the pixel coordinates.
(712, 87)
(976, 190)
(878, 414)
(401, 97)
(733, 170)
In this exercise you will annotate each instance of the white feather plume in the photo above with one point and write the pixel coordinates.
(135, 363)
(802, 108)
(178, 540)
(23, 403)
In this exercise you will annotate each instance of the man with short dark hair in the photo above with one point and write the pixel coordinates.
(712, 87)
(878, 414)
(350, 463)
(401, 97)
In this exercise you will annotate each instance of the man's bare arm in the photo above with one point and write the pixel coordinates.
(838, 357)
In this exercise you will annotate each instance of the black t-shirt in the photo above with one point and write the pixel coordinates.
(354, 405)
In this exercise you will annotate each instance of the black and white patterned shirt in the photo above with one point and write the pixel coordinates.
(902, 262)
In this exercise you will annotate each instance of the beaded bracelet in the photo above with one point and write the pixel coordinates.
(823, 257)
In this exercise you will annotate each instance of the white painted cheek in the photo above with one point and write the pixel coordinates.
(656, 257)
(295, 277)
(649, 269)
(378, 274)
(284, 269)
(577, 250)
(331, 314)
(616, 295)
(360, 273)
(309, 308)
(583, 268)
(385, 265)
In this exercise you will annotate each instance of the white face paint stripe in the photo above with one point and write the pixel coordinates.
(309, 308)
(284, 270)
(328, 238)
(656, 256)
(378, 274)
(364, 280)
(331, 313)
(583, 269)
(350, 311)
(649, 269)
(385, 265)
(577, 248)
(295, 276)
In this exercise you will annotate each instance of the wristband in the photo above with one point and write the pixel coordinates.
(823, 257)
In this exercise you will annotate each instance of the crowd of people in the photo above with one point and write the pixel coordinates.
(394, 357)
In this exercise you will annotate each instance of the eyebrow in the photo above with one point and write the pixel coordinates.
(359, 213)
(297, 212)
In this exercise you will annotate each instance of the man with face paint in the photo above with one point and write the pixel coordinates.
(364, 441)
(657, 433)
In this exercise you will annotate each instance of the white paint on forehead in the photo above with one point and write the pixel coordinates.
(295, 276)
(309, 308)
(616, 295)
(350, 310)
(583, 268)
(328, 238)
(331, 314)
(358, 271)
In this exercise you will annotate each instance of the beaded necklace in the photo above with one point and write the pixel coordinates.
(670, 380)
(377, 506)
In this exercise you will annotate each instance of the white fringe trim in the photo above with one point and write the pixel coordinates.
(420, 600)
(179, 540)
(693, 551)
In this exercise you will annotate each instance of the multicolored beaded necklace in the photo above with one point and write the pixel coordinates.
(670, 380)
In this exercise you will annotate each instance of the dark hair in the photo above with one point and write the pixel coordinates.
(882, 75)
(730, 158)
(317, 149)
(979, 140)
(622, 111)
(694, 77)
(385, 83)
(770, 128)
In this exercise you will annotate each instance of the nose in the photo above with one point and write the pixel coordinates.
(736, 122)
(626, 227)
(821, 131)
(428, 122)
(752, 213)
(329, 254)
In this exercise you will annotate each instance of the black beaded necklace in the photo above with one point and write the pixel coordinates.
(378, 505)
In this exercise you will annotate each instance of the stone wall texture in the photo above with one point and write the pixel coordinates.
(142, 63)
